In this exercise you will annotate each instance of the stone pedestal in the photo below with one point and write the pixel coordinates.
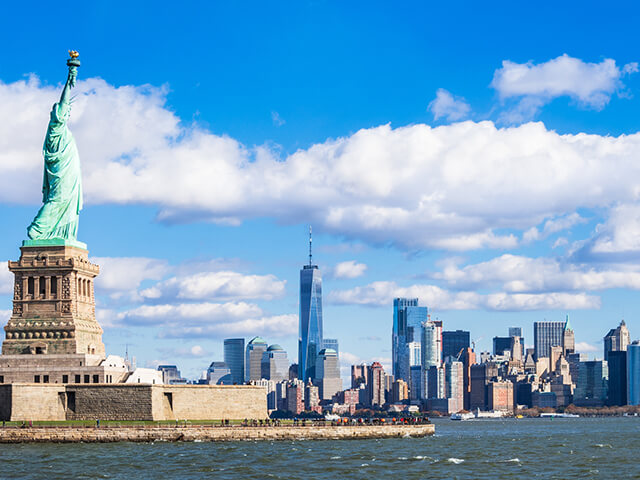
(53, 303)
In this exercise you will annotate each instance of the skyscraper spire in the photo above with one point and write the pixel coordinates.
(310, 256)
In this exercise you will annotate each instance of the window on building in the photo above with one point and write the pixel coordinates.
(36, 379)
(65, 378)
(96, 379)
(42, 287)
(86, 379)
(30, 285)
(77, 379)
(1, 378)
(54, 287)
(45, 379)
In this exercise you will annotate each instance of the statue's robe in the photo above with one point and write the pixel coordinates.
(62, 183)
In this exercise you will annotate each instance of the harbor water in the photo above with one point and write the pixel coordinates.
(552, 448)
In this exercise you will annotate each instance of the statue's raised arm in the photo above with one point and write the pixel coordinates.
(57, 220)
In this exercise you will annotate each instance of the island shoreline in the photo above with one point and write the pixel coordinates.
(198, 433)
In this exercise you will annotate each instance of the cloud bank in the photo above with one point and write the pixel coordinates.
(457, 187)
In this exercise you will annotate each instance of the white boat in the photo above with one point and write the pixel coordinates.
(559, 415)
(491, 414)
(477, 414)
(462, 416)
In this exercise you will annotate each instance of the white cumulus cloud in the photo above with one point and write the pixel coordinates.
(520, 274)
(271, 326)
(450, 107)
(590, 84)
(349, 269)
(193, 312)
(620, 233)
(223, 285)
(127, 273)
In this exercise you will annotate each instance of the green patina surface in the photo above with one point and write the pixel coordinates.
(62, 183)
(48, 242)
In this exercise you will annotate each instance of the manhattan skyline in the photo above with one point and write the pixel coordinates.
(494, 180)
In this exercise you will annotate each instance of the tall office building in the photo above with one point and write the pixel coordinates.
(376, 384)
(359, 375)
(592, 386)
(481, 374)
(617, 340)
(501, 345)
(454, 384)
(517, 350)
(328, 373)
(312, 398)
(547, 335)
(431, 349)
(568, 339)
(415, 387)
(407, 321)
(234, 358)
(253, 359)
(633, 374)
(295, 396)
(454, 342)
(275, 364)
(310, 327)
(435, 382)
(617, 363)
(467, 358)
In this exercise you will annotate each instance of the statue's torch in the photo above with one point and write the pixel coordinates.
(73, 63)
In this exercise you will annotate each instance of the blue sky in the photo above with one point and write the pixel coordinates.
(482, 158)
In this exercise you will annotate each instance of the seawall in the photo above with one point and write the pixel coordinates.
(69, 434)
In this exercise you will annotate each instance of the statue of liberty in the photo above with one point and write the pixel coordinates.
(57, 220)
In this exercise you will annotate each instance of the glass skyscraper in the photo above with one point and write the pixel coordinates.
(633, 374)
(453, 342)
(431, 336)
(234, 358)
(310, 327)
(408, 318)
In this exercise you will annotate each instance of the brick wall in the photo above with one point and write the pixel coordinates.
(109, 402)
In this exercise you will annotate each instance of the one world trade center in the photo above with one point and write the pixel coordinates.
(310, 334)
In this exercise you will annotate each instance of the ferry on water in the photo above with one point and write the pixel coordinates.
(559, 415)
(477, 414)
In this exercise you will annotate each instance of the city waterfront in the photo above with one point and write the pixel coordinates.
(495, 448)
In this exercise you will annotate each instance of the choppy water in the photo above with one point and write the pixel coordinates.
(486, 449)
